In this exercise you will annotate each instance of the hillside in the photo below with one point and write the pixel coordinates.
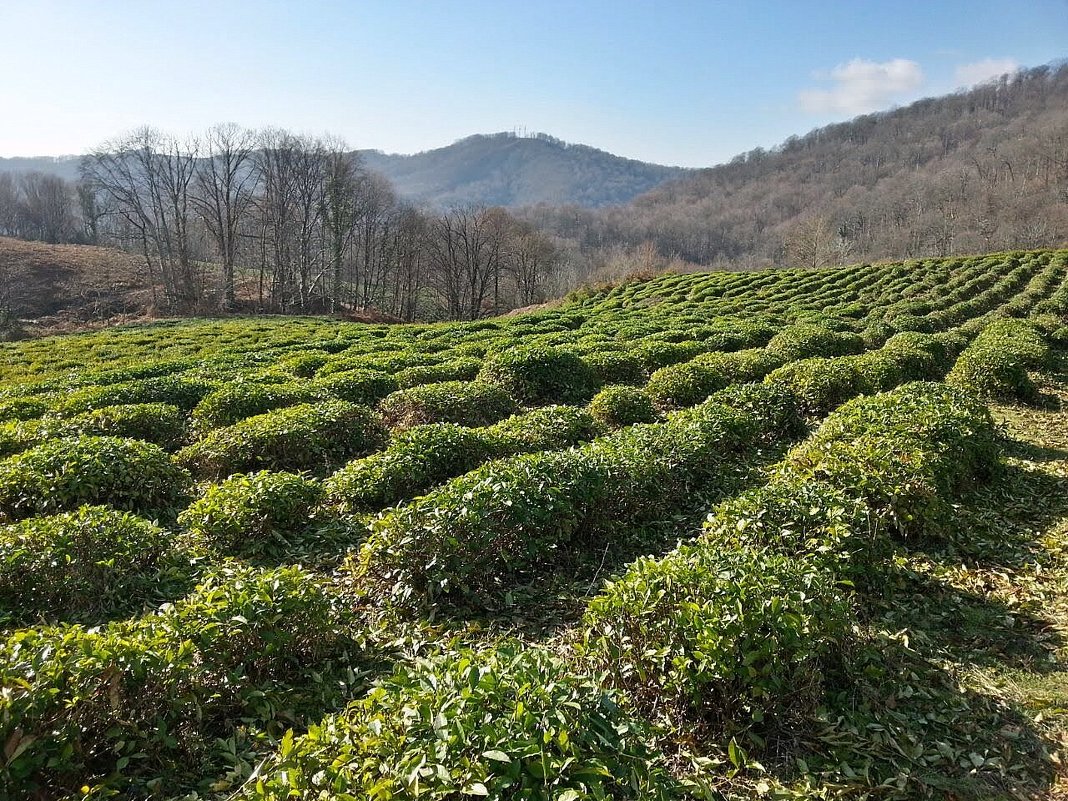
(962, 173)
(715, 535)
(52, 287)
(507, 170)
(65, 167)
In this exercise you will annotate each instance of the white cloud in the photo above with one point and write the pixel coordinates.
(862, 86)
(981, 71)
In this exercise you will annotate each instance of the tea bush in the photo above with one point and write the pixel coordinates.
(415, 461)
(995, 365)
(63, 474)
(158, 423)
(796, 517)
(612, 367)
(820, 384)
(367, 387)
(689, 383)
(468, 403)
(740, 640)
(804, 340)
(535, 375)
(464, 369)
(84, 566)
(315, 437)
(185, 393)
(510, 722)
(904, 453)
(459, 539)
(469, 538)
(655, 354)
(20, 435)
(136, 706)
(547, 428)
(22, 409)
(253, 514)
(240, 400)
(619, 406)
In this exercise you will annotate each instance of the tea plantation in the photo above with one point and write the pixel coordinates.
(780, 534)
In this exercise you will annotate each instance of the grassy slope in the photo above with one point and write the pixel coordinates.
(989, 610)
(1015, 644)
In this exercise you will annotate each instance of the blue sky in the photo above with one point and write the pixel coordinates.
(690, 83)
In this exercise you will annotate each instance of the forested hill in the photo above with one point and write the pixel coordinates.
(508, 170)
(966, 172)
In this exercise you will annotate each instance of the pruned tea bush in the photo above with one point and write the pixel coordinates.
(468, 403)
(995, 365)
(138, 705)
(242, 399)
(185, 393)
(734, 639)
(253, 514)
(468, 538)
(358, 386)
(612, 367)
(159, 423)
(415, 461)
(619, 406)
(804, 340)
(508, 722)
(820, 384)
(689, 383)
(315, 437)
(83, 566)
(536, 375)
(904, 453)
(464, 369)
(547, 428)
(66, 473)
(22, 409)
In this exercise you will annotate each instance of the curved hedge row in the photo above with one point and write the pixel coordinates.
(425, 456)
(469, 539)
(738, 630)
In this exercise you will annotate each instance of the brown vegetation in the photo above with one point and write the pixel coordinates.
(65, 287)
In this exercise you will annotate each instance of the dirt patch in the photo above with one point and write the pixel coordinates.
(63, 285)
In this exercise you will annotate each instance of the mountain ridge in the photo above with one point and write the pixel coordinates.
(505, 169)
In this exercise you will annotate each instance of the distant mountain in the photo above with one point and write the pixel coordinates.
(65, 167)
(508, 170)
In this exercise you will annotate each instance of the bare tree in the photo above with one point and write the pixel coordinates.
(224, 184)
(146, 177)
(46, 208)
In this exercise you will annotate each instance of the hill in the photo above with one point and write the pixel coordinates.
(962, 173)
(508, 170)
(55, 287)
(65, 167)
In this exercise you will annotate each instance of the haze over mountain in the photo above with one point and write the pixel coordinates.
(65, 167)
(505, 169)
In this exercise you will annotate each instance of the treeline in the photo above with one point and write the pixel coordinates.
(271, 221)
(975, 171)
